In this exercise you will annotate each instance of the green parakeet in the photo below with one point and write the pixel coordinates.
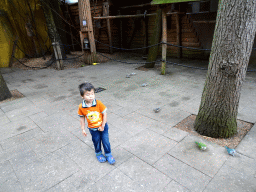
(201, 146)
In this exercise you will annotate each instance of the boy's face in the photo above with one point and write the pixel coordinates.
(89, 96)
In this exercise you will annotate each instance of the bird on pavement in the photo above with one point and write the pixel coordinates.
(230, 151)
(156, 110)
(201, 146)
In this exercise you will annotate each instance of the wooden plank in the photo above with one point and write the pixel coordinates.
(124, 16)
(164, 39)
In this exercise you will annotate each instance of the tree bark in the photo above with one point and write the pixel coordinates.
(231, 48)
(4, 91)
(152, 55)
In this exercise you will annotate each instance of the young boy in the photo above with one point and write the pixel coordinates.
(95, 113)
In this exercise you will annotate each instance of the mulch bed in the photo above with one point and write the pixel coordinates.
(15, 95)
(242, 129)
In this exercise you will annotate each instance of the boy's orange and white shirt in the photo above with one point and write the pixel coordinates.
(92, 114)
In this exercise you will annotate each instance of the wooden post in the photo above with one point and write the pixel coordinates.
(155, 38)
(106, 13)
(145, 31)
(58, 55)
(86, 26)
(164, 39)
(121, 31)
(178, 30)
(13, 51)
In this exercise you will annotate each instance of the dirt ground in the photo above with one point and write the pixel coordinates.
(185, 125)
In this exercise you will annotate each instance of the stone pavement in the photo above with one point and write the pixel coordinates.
(42, 147)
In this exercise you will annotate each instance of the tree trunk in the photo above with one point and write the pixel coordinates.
(4, 91)
(231, 49)
(152, 55)
(56, 31)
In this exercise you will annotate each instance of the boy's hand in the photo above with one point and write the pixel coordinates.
(101, 128)
(84, 133)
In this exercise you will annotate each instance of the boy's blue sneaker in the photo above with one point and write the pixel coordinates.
(110, 159)
(101, 158)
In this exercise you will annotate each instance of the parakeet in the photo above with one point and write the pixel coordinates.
(144, 85)
(230, 151)
(156, 110)
(201, 146)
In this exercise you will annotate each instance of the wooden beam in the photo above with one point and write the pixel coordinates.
(124, 16)
(174, 13)
(106, 13)
(178, 33)
(164, 39)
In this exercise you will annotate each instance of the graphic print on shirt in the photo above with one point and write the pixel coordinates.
(93, 117)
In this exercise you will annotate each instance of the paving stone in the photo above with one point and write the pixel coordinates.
(111, 117)
(22, 112)
(85, 157)
(173, 186)
(166, 115)
(11, 185)
(208, 162)
(15, 104)
(248, 145)
(116, 181)
(149, 178)
(15, 152)
(182, 173)
(118, 136)
(21, 138)
(6, 172)
(38, 116)
(121, 155)
(4, 119)
(242, 163)
(153, 125)
(175, 134)
(58, 122)
(1, 112)
(16, 127)
(78, 181)
(125, 110)
(149, 146)
(46, 172)
(23, 158)
(131, 126)
(246, 114)
(48, 142)
(230, 179)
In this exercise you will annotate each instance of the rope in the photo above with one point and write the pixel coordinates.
(186, 47)
(125, 61)
(128, 49)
